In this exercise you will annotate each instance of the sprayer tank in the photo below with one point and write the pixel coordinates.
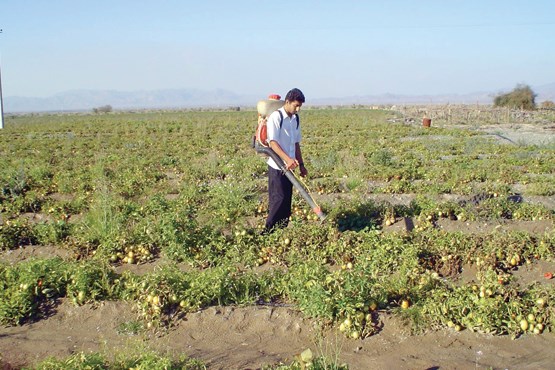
(267, 106)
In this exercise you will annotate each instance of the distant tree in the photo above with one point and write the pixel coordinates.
(103, 109)
(522, 97)
(548, 104)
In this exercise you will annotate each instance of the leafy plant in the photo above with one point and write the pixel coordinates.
(522, 97)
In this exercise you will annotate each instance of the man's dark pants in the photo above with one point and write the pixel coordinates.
(280, 191)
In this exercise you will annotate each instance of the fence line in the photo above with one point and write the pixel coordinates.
(473, 114)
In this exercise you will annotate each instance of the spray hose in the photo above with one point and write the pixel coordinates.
(305, 185)
(298, 183)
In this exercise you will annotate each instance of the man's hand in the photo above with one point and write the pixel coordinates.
(291, 163)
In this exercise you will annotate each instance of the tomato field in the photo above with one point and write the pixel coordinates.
(164, 210)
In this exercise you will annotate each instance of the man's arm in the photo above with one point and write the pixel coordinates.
(290, 163)
(299, 158)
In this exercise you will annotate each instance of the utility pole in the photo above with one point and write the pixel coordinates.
(1, 98)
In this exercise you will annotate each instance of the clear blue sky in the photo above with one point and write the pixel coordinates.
(326, 48)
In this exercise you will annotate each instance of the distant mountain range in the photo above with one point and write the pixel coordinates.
(86, 100)
(80, 100)
(544, 92)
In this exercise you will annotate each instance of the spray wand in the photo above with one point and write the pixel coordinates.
(305, 193)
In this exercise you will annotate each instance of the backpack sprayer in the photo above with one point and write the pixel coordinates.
(261, 145)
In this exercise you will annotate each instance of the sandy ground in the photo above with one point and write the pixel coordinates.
(522, 134)
(250, 337)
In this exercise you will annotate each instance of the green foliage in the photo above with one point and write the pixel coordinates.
(15, 233)
(92, 281)
(28, 289)
(318, 363)
(45, 233)
(185, 201)
(14, 185)
(522, 97)
(143, 360)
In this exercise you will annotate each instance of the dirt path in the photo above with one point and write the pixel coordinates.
(250, 337)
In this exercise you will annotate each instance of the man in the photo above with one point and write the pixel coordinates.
(284, 137)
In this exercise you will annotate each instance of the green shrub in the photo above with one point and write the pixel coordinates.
(522, 97)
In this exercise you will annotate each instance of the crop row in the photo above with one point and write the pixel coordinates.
(331, 276)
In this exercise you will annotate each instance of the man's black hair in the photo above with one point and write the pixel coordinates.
(295, 95)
